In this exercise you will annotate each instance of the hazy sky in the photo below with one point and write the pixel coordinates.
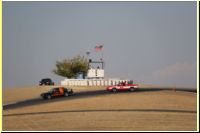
(149, 42)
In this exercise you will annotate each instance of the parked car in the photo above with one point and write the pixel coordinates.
(122, 87)
(57, 92)
(46, 81)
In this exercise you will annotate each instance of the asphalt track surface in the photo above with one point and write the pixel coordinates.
(85, 94)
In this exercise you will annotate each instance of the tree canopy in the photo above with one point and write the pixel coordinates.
(70, 67)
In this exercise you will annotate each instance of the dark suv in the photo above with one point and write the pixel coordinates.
(46, 81)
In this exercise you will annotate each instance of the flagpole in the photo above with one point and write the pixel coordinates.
(102, 58)
(99, 48)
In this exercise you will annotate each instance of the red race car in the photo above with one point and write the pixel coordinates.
(122, 87)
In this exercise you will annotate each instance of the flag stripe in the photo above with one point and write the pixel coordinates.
(98, 48)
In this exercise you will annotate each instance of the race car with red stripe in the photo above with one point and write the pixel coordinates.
(122, 87)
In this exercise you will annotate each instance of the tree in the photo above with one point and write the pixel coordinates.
(70, 67)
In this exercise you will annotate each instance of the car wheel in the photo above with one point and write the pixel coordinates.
(66, 94)
(132, 89)
(49, 97)
(114, 90)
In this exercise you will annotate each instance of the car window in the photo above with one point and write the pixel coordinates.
(46, 80)
(51, 90)
(56, 89)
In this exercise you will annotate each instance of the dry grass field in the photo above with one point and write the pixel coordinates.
(12, 95)
(163, 110)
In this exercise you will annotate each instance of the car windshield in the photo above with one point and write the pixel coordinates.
(45, 80)
(122, 84)
(51, 90)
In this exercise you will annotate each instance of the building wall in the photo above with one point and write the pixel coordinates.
(91, 82)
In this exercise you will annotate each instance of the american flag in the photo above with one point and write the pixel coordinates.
(98, 48)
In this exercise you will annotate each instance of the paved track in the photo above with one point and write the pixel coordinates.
(81, 95)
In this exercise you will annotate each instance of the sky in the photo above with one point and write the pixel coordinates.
(148, 42)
